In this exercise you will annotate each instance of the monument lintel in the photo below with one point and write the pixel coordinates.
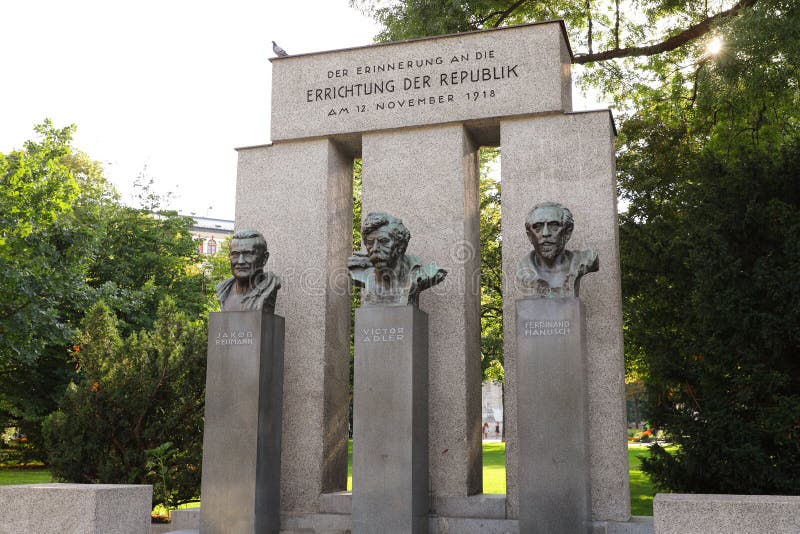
(496, 73)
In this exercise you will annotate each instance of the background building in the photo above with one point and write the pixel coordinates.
(209, 233)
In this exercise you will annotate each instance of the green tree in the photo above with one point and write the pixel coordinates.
(51, 200)
(66, 242)
(145, 254)
(709, 171)
(135, 411)
(598, 30)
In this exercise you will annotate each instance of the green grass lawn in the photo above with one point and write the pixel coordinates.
(494, 467)
(642, 490)
(494, 475)
(16, 475)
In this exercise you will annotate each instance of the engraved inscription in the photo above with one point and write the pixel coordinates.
(546, 328)
(234, 337)
(443, 80)
(382, 335)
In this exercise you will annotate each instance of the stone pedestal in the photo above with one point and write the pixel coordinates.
(242, 436)
(75, 508)
(390, 420)
(552, 416)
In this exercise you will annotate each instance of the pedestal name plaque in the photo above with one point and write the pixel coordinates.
(552, 422)
(390, 418)
(242, 436)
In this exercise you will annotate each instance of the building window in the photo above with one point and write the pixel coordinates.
(200, 245)
(212, 246)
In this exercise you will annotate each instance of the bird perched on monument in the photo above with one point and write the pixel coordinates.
(280, 52)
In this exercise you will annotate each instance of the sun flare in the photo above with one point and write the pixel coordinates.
(714, 46)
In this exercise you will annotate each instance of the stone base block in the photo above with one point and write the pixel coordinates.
(638, 524)
(186, 519)
(681, 513)
(339, 502)
(75, 509)
(484, 506)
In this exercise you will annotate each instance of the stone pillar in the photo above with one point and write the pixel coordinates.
(390, 421)
(569, 158)
(299, 195)
(429, 178)
(551, 421)
(242, 435)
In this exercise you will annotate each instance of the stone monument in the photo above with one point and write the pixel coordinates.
(415, 113)
(390, 385)
(551, 371)
(244, 398)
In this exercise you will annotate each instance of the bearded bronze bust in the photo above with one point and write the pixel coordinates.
(387, 275)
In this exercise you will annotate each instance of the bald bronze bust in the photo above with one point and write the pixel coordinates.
(387, 275)
(250, 287)
(549, 270)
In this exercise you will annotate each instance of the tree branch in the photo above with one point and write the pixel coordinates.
(676, 41)
(589, 19)
(503, 15)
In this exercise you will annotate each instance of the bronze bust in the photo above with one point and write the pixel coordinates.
(250, 287)
(387, 275)
(551, 271)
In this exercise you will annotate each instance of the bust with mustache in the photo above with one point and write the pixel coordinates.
(387, 275)
(551, 271)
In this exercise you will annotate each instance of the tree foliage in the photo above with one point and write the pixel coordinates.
(67, 242)
(491, 267)
(709, 166)
(599, 30)
(135, 411)
(51, 200)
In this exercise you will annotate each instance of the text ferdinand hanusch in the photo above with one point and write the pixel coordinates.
(234, 337)
(546, 328)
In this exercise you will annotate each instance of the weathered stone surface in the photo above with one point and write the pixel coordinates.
(185, 519)
(570, 159)
(242, 434)
(485, 506)
(75, 509)
(637, 524)
(428, 161)
(680, 513)
(390, 420)
(336, 502)
(551, 419)
(300, 195)
(518, 70)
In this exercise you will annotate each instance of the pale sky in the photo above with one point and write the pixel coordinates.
(170, 86)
